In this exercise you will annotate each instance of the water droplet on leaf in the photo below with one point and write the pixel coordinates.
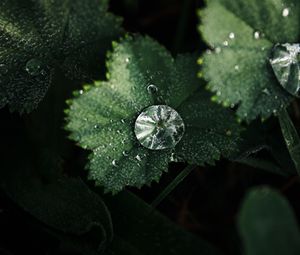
(159, 127)
(285, 12)
(138, 158)
(285, 61)
(256, 35)
(231, 35)
(114, 163)
(34, 67)
(152, 89)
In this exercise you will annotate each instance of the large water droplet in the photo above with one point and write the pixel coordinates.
(285, 61)
(159, 127)
(34, 67)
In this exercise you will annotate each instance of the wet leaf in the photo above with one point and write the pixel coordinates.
(102, 117)
(242, 35)
(268, 225)
(39, 37)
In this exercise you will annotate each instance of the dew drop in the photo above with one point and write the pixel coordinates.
(3, 69)
(152, 89)
(34, 67)
(159, 127)
(236, 67)
(231, 35)
(225, 43)
(285, 61)
(285, 12)
(114, 163)
(138, 158)
(125, 153)
(256, 35)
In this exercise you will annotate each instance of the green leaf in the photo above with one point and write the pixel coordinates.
(291, 137)
(102, 118)
(142, 231)
(239, 70)
(63, 205)
(66, 206)
(40, 37)
(267, 224)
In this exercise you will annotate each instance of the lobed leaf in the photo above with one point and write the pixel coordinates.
(40, 37)
(242, 34)
(102, 117)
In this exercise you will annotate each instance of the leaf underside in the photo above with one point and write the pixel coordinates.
(238, 70)
(101, 118)
(37, 37)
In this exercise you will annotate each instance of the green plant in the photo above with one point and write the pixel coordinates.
(153, 115)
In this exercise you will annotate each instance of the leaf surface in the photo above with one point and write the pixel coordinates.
(242, 34)
(40, 37)
(102, 117)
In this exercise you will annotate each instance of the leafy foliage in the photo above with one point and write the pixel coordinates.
(102, 118)
(268, 225)
(242, 34)
(168, 238)
(40, 37)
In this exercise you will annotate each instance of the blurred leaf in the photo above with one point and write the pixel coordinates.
(102, 117)
(243, 33)
(140, 230)
(38, 37)
(291, 137)
(267, 224)
(65, 205)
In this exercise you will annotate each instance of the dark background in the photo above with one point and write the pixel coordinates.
(207, 202)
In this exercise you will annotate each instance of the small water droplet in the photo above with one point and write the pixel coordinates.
(236, 67)
(225, 43)
(285, 12)
(34, 67)
(3, 69)
(152, 89)
(138, 158)
(125, 153)
(159, 127)
(266, 91)
(218, 50)
(81, 92)
(127, 60)
(285, 61)
(96, 126)
(256, 35)
(114, 163)
(231, 35)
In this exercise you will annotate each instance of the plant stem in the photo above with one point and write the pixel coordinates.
(179, 178)
(291, 137)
